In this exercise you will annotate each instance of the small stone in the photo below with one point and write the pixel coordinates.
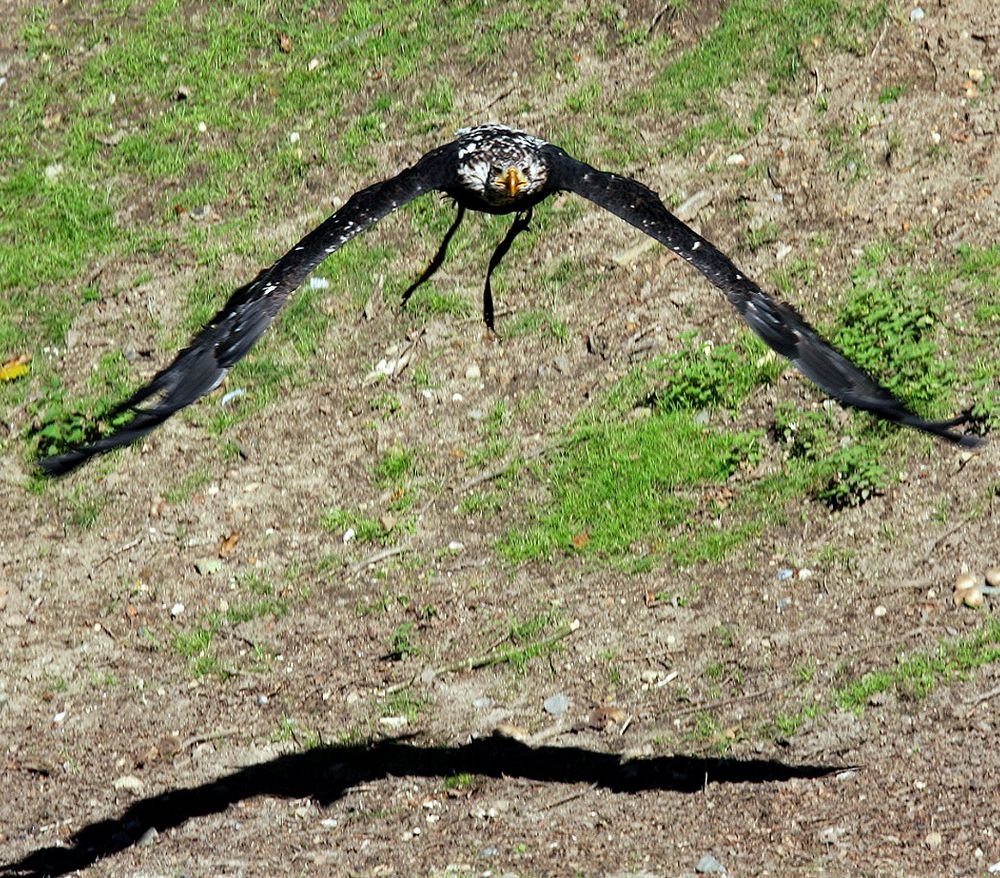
(976, 74)
(148, 837)
(832, 834)
(394, 722)
(993, 576)
(556, 705)
(53, 172)
(455, 546)
(202, 128)
(483, 703)
(973, 598)
(176, 609)
(128, 782)
(916, 14)
(472, 372)
(933, 840)
(737, 159)
(708, 865)
(349, 535)
(208, 566)
(968, 590)
(319, 283)
(880, 611)
(293, 137)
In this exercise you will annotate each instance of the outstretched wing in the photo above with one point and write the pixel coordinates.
(778, 324)
(229, 335)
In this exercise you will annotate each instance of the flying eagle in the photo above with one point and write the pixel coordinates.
(499, 170)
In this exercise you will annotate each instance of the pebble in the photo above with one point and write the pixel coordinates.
(483, 703)
(708, 865)
(916, 14)
(176, 609)
(319, 283)
(293, 137)
(472, 372)
(832, 834)
(53, 172)
(349, 535)
(128, 782)
(737, 158)
(208, 566)
(148, 837)
(880, 611)
(556, 705)
(993, 576)
(394, 722)
(455, 546)
(933, 840)
(968, 590)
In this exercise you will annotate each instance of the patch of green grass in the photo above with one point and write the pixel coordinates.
(616, 484)
(401, 644)
(403, 704)
(753, 38)
(855, 475)
(197, 643)
(461, 781)
(366, 529)
(485, 504)
(395, 466)
(915, 676)
(912, 676)
(892, 93)
(189, 484)
(541, 323)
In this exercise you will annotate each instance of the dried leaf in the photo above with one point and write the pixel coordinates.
(602, 717)
(228, 544)
(580, 540)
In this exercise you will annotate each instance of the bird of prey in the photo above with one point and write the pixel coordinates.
(499, 170)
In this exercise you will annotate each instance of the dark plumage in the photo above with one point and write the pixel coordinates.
(494, 169)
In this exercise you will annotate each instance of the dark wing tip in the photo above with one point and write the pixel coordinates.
(61, 464)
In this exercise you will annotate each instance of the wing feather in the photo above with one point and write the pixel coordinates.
(778, 324)
(229, 335)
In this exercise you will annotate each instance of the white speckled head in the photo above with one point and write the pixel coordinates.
(501, 165)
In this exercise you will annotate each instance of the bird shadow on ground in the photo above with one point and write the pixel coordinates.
(325, 773)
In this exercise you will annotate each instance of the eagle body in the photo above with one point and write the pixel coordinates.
(498, 170)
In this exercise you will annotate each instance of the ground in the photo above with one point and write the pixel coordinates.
(350, 622)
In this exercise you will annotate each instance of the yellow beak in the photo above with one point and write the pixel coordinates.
(512, 181)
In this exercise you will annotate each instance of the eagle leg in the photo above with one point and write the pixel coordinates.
(521, 224)
(435, 263)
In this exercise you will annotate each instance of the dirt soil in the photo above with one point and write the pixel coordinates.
(119, 760)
